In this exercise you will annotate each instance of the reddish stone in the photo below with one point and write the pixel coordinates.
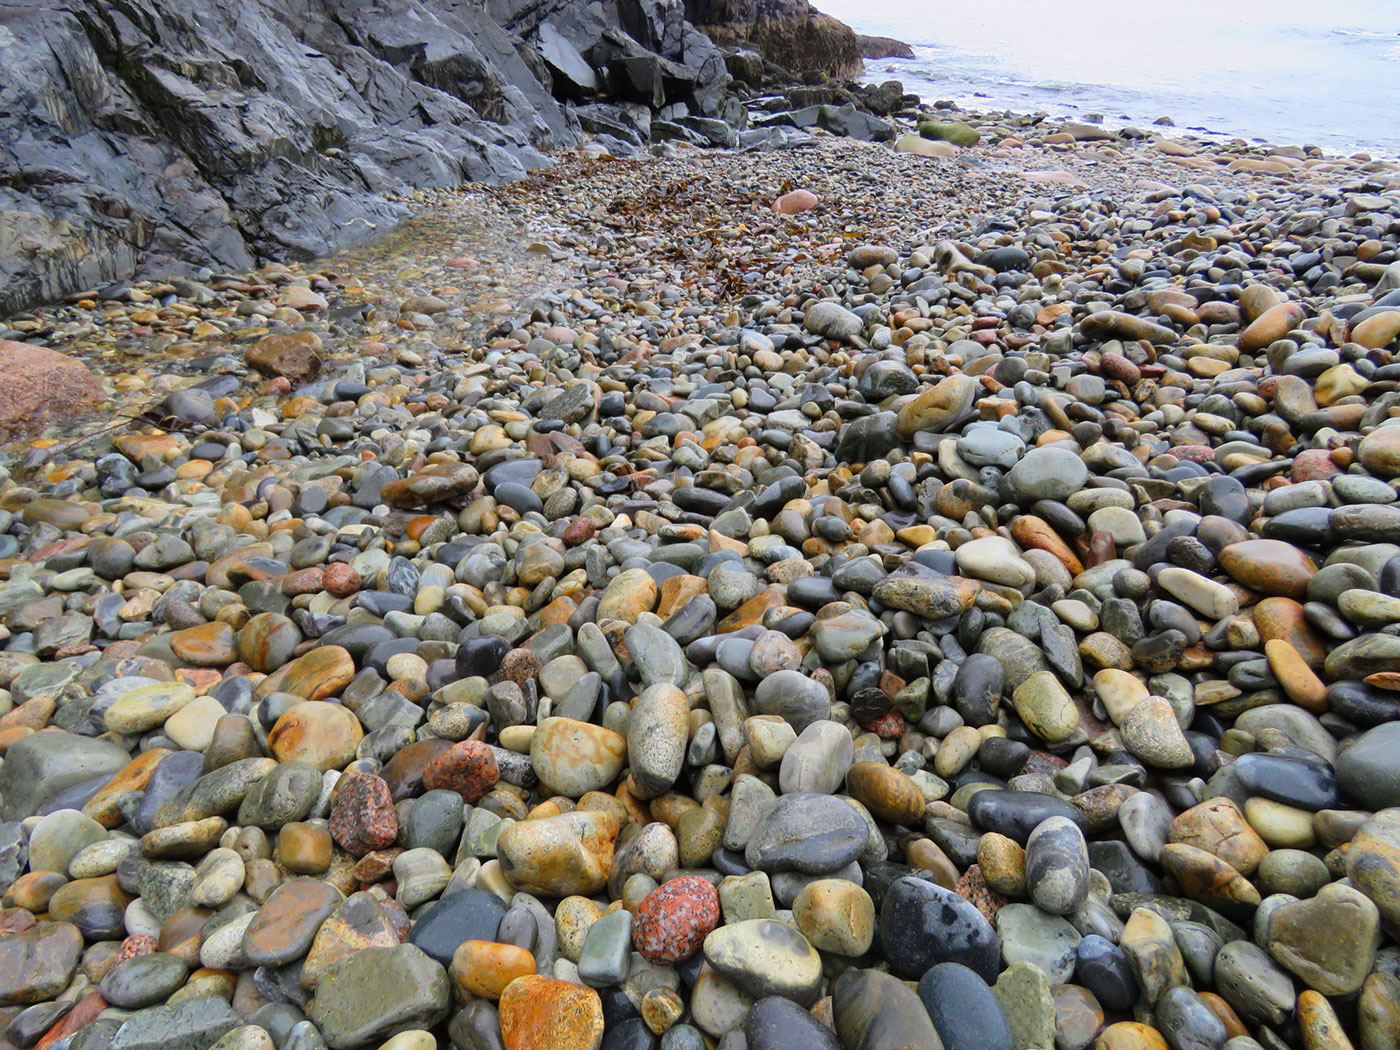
(468, 768)
(1043, 762)
(135, 946)
(362, 814)
(41, 386)
(296, 358)
(889, 726)
(1313, 464)
(404, 772)
(1194, 453)
(375, 865)
(795, 201)
(340, 580)
(304, 581)
(580, 530)
(1116, 366)
(674, 919)
(973, 888)
(520, 665)
(83, 1014)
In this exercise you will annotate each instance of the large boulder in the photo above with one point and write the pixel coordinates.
(789, 33)
(40, 386)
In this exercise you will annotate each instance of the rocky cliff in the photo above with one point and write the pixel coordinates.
(167, 135)
(789, 33)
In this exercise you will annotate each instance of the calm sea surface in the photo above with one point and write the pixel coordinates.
(1294, 72)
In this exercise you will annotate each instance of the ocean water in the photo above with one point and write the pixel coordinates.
(1286, 72)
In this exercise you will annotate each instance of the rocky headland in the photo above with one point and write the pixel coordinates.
(904, 579)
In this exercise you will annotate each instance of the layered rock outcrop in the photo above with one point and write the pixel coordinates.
(166, 135)
(790, 33)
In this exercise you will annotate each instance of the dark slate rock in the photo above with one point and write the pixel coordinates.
(775, 1023)
(469, 915)
(922, 924)
(963, 1009)
(1015, 814)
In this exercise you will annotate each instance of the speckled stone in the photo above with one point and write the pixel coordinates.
(468, 768)
(362, 814)
(673, 920)
(539, 1013)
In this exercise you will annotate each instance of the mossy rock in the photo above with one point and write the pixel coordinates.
(954, 131)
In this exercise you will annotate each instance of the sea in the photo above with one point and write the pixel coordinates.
(1283, 72)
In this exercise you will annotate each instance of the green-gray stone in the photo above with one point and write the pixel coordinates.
(39, 767)
(193, 1024)
(378, 992)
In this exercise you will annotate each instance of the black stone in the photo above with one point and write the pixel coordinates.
(631, 1034)
(963, 1009)
(922, 924)
(1102, 967)
(1001, 757)
(1015, 814)
(1294, 781)
(481, 656)
(775, 1023)
(977, 689)
(468, 915)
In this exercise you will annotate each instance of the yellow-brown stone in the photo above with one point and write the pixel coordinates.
(321, 673)
(1130, 1035)
(1283, 618)
(1318, 1022)
(1219, 827)
(1298, 680)
(751, 612)
(485, 968)
(319, 734)
(559, 856)
(1270, 567)
(540, 1013)
(305, 849)
(1205, 877)
(134, 776)
(205, 645)
(887, 792)
(1003, 864)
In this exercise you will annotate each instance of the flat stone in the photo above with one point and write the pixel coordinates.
(775, 1023)
(1029, 935)
(192, 1024)
(36, 964)
(378, 992)
(874, 1010)
(1329, 941)
(284, 927)
(41, 766)
(1367, 770)
(812, 834)
(817, 760)
(763, 957)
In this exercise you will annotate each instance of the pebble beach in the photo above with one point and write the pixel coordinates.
(849, 597)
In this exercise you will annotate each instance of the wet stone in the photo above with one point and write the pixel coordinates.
(922, 924)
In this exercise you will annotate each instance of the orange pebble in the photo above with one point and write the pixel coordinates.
(485, 968)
